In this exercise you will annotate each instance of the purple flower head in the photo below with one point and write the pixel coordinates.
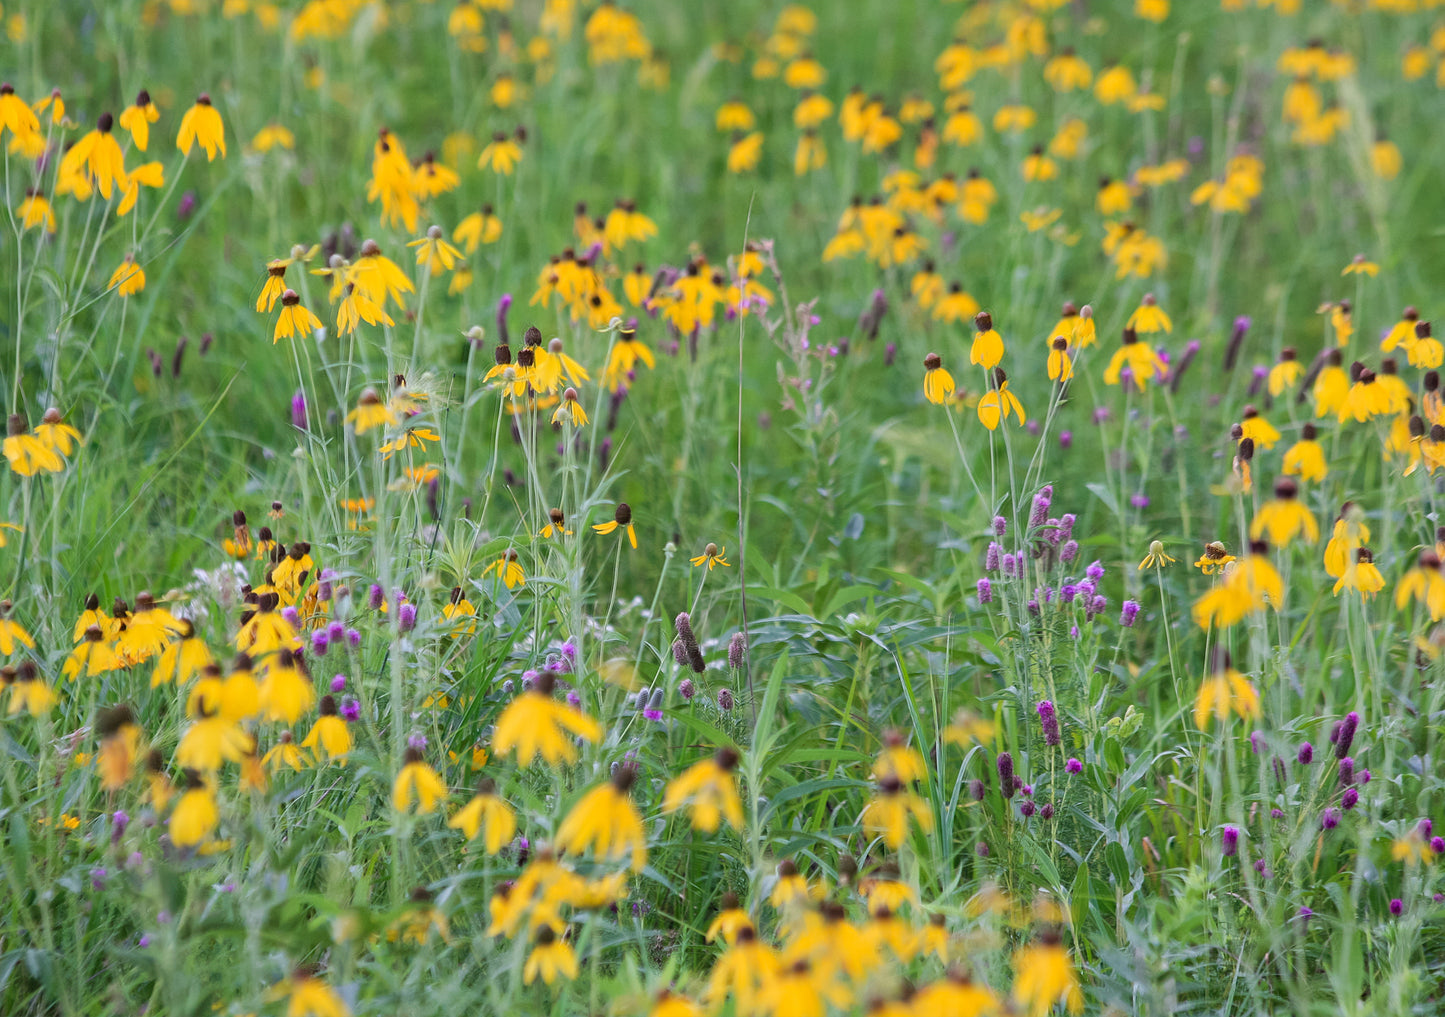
(1129, 612)
(992, 556)
(1098, 606)
(1095, 571)
(1027, 789)
(1229, 841)
(1033, 607)
(1000, 526)
(298, 410)
(725, 699)
(335, 632)
(1026, 809)
(1329, 819)
(1397, 907)
(1306, 754)
(981, 849)
(1042, 501)
(319, 642)
(1276, 813)
(1049, 720)
(375, 597)
(1069, 551)
(1066, 439)
(353, 638)
(1305, 914)
(406, 617)
(686, 689)
(737, 651)
(417, 741)
(1010, 566)
(574, 700)
(1347, 772)
(1437, 844)
(1067, 593)
(1006, 774)
(184, 208)
(569, 652)
(977, 789)
(1346, 738)
(1046, 810)
(890, 354)
(985, 592)
(338, 682)
(1350, 798)
(1362, 776)
(118, 822)
(1256, 738)
(1073, 766)
(1139, 500)
(1425, 827)
(1066, 526)
(350, 710)
(292, 616)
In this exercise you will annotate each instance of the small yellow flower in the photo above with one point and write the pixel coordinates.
(1156, 558)
(711, 555)
(1361, 266)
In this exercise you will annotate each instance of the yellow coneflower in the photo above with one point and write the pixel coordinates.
(730, 921)
(938, 384)
(887, 812)
(416, 782)
(534, 724)
(743, 972)
(489, 812)
(1285, 517)
(1425, 584)
(1156, 558)
(1214, 558)
(1060, 364)
(1224, 691)
(1306, 458)
(1044, 977)
(987, 349)
(551, 957)
(711, 556)
(708, 786)
(91, 656)
(621, 518)
(995, 405)
(605, 820)
(210, 740)
(202, 125)
(119, 746)
(307, 995)
(196, 815)
(792, 887)
(329, 735)
(27, 453)
(286, 691)
(1361, 575)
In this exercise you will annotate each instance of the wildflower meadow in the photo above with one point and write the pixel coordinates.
(646, 507)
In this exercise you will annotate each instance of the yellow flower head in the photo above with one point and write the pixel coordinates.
(202, 125)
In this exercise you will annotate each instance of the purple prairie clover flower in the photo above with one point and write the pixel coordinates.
(981, 849)
(1229, 841)
(1049, 721)
(1256, 381)
(737, 651)
(1426, 827)
(338, 682)
(1306, 754)
(1262, 869)
(1069, 551)
(1098, 606)
(985, 592)
(529, 678)
(679, 653)
(292, 616)
(1236, 340)
(1347, 772)
(653, 710)
(1027, 789)
(350, 710)
(335, 632)
(890, 354)
(1362, 776)
(1094, 571)
(686, 689)
(1276, 813)
(1000, 526)
(1005, 765)
(406, 617)
(1304, 915)
(1026, 809)
(1053, 532)
(1066, 439)
(353, 638)
(1067, 593)
(1350, 798)
(1010, 566)
(977, 790)
(375, 597)
(1437, 844)
(1073, 632)
(1397, 907)
(574, 700)
(1330, 818)
(1139, 500)
(1042, 501)
(319, 642)
(186, 205)
(725, 699)
(118, 822)
(1073, 766)
(1086, 590)
(1033, 427)
(992, 556)
(1046, 810)
(1102, 415)
(323, 586)
(1176, 374)
(298, 410)
(1256, 738)
(417, 741)
(1129, 612)
(1346, 737)
(1033, 607)
(144, 941)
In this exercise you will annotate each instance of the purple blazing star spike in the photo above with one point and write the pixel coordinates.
(298, 410)
(1049, 721)
(1229, 841)
(1005, 765)
(1042, 501)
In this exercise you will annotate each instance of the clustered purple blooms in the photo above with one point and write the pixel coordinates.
(1229, 841)
(1350, 798)
(1000, 526)
(985, 592)
(1042, 501)
(338, 682)
(1073, 766)
(406, 617)
(1006, 774)
(992, 557)
(1026, 809)
(1397, 906)
(1049, 720)
(1129, 613)
(1344, 737)
(1329, 819)
(350, 710)
(686, 689)
(1347, 772)
(1306, 754)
